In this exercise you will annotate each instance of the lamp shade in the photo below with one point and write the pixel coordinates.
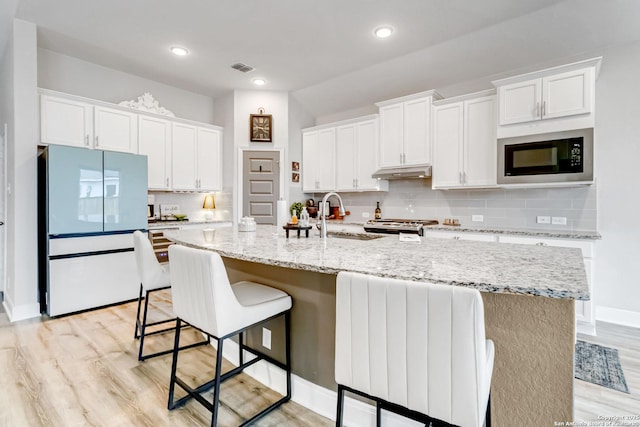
(209, 203)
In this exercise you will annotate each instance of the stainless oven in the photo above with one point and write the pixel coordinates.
(552, 157)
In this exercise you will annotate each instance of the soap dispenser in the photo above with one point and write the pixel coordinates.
(304, 218)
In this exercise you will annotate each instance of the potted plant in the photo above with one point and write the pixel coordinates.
(297, 208)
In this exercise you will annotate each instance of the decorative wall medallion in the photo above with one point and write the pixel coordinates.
(146, 102)
(260, 126)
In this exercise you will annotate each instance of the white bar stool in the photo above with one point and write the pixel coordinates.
(417, 349)
(204, 299)
(153, 277)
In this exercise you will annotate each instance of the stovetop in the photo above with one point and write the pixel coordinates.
(396, 226)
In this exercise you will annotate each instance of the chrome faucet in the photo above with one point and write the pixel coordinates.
(323, 214)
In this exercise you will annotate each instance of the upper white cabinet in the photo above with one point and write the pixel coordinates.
(69, 122)
(318, 160)
(356, 157)
(66, 121)
(154, 141)
(196, 158)
(551, 100)
(405, 130)
(464, 142)
(115, 130)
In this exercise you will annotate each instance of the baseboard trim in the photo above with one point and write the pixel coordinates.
(586, 328)
(21, 312)
(314, 397)
(618, 316)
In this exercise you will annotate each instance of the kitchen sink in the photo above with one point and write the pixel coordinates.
(354, 236)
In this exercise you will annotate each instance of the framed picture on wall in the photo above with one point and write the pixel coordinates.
(260, 127)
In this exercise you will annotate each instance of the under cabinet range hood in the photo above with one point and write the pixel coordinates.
(403, 172)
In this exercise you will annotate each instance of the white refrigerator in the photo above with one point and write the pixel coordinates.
(89, 204)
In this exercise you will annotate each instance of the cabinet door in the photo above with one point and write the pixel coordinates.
(326, 159)
(520, 102)
(310, 162)
(183, 157)
(417, 148)
(480, 144)
(391, 135)
(209, 160)
(567, 94)
(154, 141)
(115, 130)
(447, 145)
(366, 155)
(346, 156)
(65, 122)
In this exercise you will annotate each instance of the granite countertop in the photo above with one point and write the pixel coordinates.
(531, 232)
(547, 271)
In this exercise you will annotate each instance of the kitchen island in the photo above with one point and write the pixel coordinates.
(528, 292)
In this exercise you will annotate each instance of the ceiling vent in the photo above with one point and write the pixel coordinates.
(242, 67)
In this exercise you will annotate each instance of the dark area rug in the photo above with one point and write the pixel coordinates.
(599, 365)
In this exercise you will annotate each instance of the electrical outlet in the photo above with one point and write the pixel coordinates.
(543, 219)
(559, 220)
(365, 214)
(477, 218)
(266, 338)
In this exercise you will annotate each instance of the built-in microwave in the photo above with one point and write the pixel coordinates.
(546, 158)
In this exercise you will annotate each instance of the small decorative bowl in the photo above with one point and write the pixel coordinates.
(180, 217)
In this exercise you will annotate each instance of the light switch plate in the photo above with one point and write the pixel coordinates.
(266, 338)
(477, 218)
(559, 220)
(543, 220)
(365, 214)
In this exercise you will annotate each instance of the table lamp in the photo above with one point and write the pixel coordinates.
(209, 204)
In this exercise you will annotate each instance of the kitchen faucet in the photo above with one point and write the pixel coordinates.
(323, 214)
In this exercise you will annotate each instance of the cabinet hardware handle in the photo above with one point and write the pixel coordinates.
(401, 158)
(356, 182)
(464, 177)
(86, 140)
(456, 237)
(404, 158)
(97, 141)
(460, 177)
(541, 244)
(167, 182)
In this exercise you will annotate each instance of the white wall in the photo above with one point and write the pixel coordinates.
(617, 260)
(72, 75)
(246, 103)
(21, 299)
(6, 117)
(299, 118)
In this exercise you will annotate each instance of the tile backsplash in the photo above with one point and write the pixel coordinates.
(191, 204)
(414, 199)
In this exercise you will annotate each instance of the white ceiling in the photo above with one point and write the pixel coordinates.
(324, 51)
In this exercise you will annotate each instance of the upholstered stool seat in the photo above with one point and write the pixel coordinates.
(153, 277)
(417, 349)
(204, 299)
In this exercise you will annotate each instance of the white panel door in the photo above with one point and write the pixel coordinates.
(326, 159)
(567, 94)
(480, 144)
(391, 135)
(115, 130)
(209, 160)
(154, 141)
(310, 163)
(417, 149)
(366, 154)
(65, 122)
(183, 157)
(447, 145)
(520, 102)
(346, 154)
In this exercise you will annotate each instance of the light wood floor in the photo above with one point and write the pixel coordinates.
(82, 370)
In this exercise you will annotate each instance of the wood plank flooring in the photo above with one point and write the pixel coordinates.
(82, 370)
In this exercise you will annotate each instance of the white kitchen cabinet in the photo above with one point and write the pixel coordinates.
(585, 310)
(115, 130)
(559, 95)
(318, 160)
(464, 142)
(196, 158)
(356, 157)
(405, 130)
(65, 122)
(453, 235)
(154, 141)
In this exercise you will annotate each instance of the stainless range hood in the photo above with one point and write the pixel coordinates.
(403, 172)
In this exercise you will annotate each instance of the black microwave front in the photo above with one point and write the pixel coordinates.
(547, 158)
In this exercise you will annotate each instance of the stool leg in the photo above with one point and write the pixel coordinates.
(378, 414)
(143, 327)
(487, 418)
(135, 334)
(240, 341)
(287, 351)
(216, 388)
(174, 363)
(340, 406)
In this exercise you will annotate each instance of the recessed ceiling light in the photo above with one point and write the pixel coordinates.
(259, 82)
(179, 51)
(383, 32)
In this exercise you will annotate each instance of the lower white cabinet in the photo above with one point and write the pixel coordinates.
(585, 310)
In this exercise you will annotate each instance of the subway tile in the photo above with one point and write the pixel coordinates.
(506, 203)
(549, 203)
(527, 193)
(468, 203)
